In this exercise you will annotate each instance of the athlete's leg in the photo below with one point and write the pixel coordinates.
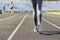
(3, 9)
(34, 12)
(39, 13)
(11, 11)
(40, 7)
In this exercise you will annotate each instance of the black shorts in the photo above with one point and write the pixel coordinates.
(3, 7)
(11, 8)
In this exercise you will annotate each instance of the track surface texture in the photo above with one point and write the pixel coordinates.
(9, 22)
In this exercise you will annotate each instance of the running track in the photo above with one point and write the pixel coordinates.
(20, 27)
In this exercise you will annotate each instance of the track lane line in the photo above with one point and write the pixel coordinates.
(51, 23)
(13, 33)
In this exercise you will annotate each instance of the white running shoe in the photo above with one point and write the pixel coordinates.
(35, 29)
(39, 28)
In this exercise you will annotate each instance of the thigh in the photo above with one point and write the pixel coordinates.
(34, 4)
(39, 2)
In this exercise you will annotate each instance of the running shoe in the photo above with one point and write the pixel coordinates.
(39, 28)
(35, 29)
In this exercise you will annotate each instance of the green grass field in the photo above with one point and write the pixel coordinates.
(56, 13)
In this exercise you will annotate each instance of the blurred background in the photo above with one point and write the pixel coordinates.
(25, 5)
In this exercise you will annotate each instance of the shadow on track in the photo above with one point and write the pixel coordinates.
(50, 33)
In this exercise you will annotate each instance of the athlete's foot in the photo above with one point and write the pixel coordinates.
(39, 28)
(35, 29)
